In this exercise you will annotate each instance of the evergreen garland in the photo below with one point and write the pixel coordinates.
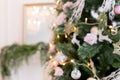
(13, 56)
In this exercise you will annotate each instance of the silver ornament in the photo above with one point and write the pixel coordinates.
(60, 57)
(114, 23)
(75, 74)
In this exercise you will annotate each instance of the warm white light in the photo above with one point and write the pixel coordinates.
(51, 8)
(72, 61)
(86, 20)
(110, 27)
(35, 10)
(88, 64)
(64, 64)
(44, 7)
(51, 45)
(36, 22)
(55, 63)
(66, 36)
(51, 57)
(74, 29)
(58, 1)
(112, 30)
(54, 24)
(58, 36)
(101, 20)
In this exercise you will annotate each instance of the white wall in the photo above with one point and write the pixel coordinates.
(3, 22)
(11, 31)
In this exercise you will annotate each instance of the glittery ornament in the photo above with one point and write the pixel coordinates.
(60, 57)
(117, 9)
(117, 48)
(75, 74)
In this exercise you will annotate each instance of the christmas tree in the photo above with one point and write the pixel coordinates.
(86, 43)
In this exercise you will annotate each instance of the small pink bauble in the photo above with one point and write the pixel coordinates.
(117, 9)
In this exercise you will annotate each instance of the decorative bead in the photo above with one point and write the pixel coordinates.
(94, 30)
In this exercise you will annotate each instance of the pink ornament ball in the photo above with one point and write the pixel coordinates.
(117, 9)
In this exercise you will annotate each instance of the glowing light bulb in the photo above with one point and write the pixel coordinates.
(58, 36)
(86, 20)
(64, 64)
(66, 36)
(58, 1)
(51, 57)
(88, 64)
(112, 30)
(35, 10)
(51, 45)
(51, 8)
(54, 24)
(55, 63)
(72, 61)
(110, 26)
(74, 29)
(101, 20)
(45, 7)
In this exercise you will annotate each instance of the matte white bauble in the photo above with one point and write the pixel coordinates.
(75, 74)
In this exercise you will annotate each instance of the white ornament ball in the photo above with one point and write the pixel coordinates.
(94, 30)
(91, 78)
(60, 57)
(75, 74)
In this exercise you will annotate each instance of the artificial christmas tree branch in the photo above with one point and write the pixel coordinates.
(89, 27)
